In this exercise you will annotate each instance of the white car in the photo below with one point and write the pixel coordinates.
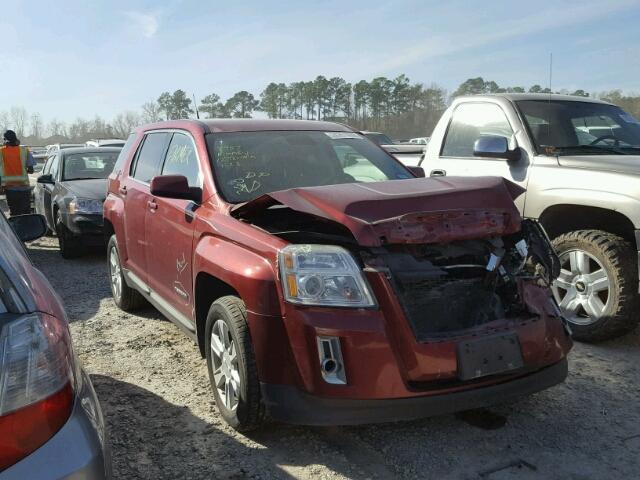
(420, 140)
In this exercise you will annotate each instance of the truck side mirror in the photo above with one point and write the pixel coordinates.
(494, 146)
(174, 186)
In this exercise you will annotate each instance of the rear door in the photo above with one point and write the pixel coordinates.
(169, 225)
(134, 189)
(469, 122)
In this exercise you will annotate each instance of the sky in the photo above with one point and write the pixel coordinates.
(69, 59)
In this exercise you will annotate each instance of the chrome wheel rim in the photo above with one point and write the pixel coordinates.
(583, 288)
(224, 361)
(116, 277)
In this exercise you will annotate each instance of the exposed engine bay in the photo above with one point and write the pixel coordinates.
(446, 289)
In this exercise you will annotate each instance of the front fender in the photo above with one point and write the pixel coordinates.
(251, 275)
(627, 205)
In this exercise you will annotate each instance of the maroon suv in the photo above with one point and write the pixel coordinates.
(325, 282)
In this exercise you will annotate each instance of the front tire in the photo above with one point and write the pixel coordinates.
(232, 366)
(70, 247)
(598, 284)
(125, 297)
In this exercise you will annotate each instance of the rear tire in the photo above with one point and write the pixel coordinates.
(599, 274)
(232, 366)
(125, 297)
(70, 247)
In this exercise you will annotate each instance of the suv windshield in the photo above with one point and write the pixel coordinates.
(81, 166)
(250, 164)
(588, 128)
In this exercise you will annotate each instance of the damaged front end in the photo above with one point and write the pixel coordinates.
(447, 288)
(459, 293)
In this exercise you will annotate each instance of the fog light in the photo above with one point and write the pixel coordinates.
(331, 363)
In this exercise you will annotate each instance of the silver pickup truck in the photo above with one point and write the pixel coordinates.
(579, 160)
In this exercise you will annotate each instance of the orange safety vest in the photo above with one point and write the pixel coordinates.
(13, 166)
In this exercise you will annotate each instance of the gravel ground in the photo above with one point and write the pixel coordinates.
(155, 395)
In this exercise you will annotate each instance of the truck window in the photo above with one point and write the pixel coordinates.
(147, 164)
(124, 153)
(182, 159)
(471, 121)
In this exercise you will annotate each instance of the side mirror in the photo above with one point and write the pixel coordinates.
(28, 227)
(417, 171)
(494, 146)
(174, 186)
(48, 178)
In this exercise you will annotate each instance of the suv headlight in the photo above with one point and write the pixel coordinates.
(323, 275)
(85, 205)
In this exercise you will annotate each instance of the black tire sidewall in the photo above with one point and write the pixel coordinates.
(612, 323)
(111, 246)
(234, 419)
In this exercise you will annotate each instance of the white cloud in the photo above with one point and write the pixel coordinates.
(145, 23)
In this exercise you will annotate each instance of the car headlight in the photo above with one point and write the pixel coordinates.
(85, 205)
(323, 275)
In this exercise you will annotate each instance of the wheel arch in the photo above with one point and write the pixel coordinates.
(564, 218)
(225, 268)
(207, 289)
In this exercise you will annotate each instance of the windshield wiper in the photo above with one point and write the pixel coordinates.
(591, 149)
(84, 178)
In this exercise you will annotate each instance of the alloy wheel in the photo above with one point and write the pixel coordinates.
(116, 277)
(583, 288)
(224, 359)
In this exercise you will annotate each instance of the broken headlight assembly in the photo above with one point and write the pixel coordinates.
(324, 275)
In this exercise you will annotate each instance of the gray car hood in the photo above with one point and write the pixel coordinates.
(89, 188)
(607, 163)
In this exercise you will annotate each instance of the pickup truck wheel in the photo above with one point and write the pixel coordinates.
(598, 284)
(69, 246)
(125, 297)
(232, 365)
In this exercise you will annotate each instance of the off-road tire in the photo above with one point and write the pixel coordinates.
(69, 246)
(620, 261)
(130, 299)
(250, 412)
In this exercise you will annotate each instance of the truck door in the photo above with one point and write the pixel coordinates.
(469, 122)
(170, 226)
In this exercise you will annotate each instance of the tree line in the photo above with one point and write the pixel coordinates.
(395, 106)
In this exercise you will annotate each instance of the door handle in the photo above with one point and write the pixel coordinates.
(438, 173)
(123, 190)
(153, 206)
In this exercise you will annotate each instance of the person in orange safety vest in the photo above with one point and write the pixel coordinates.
(16, 162)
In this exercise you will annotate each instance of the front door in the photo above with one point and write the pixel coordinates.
(134, 190)
(469, 122)
(170, 226)
(42, 194)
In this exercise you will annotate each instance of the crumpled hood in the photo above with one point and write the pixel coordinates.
(90, 188)
(606, 163)
(420, 210)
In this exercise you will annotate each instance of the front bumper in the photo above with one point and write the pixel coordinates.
(288, 404)
(78, 450)
(85, 225)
